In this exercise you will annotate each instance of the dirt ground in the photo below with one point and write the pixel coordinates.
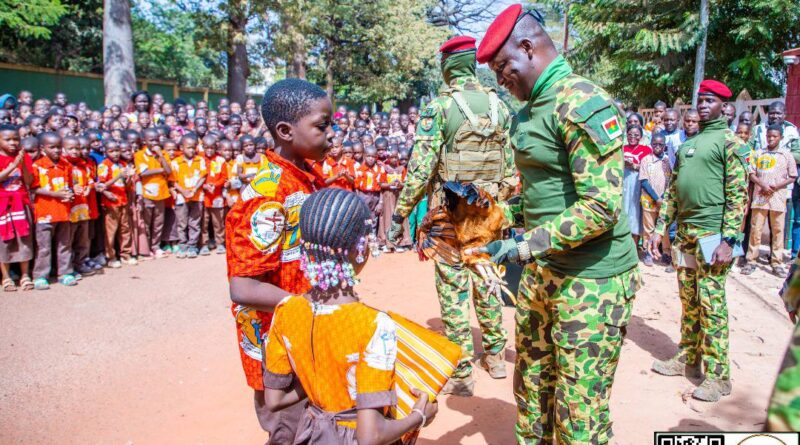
(147, 355)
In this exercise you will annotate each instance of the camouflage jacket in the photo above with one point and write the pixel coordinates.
(431, 139)
(708, 187)
(568, 148)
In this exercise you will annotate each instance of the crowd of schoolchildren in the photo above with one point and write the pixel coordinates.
(650, 153)
(83, 189)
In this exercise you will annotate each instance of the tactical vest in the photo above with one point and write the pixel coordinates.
(475, 152)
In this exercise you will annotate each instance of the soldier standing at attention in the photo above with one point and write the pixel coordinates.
(707, 196)
(581, 273)
(461, 136)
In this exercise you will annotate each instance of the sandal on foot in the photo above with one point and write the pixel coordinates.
(26, 283)
(9, 286)
(68, 280)
(41, 284)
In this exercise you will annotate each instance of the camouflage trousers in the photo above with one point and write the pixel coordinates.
(704, 319)
(569, 335)
(784, 407)
(455, 287)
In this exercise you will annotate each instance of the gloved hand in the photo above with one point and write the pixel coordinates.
(395, 234)
(502, 251)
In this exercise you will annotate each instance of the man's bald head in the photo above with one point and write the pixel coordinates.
(523, 57)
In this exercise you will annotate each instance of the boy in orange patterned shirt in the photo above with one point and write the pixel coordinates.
(189, 172)
(213, 201)
(79, 214)
(262, 232)
(154, 171)
(53, 195)
(113, 174)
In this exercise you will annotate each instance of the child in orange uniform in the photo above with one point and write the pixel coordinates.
(262, 232)
(53, 195)
(392, 183)
(189, 172)
(213, 201)
(154, 171)
(79, 215)
(368, 183)
(113, 173)
(328, 346)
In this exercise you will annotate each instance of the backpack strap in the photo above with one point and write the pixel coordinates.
(493, 106)
(464, 107)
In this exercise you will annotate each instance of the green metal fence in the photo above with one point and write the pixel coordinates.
(88, 87)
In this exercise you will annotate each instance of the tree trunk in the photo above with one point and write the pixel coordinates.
(329, 73)
(119, 77)
(238, 66)
(298, 56)
(700, 61)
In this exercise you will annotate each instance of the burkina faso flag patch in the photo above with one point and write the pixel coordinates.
(612, 127)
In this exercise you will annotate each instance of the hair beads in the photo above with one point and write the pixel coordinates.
(326, 268)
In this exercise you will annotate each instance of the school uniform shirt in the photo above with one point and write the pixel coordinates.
(119, 188)
(368, 179)
(262, 233)
(154, 187)
(657, 172)
(187, 174)
(216, 176)
(331, 167)
(343, 355)
(53, 177)
(94, 209)
(231, 192)
(83, 177)
(247, 166)
(393, 174)
(772, 167)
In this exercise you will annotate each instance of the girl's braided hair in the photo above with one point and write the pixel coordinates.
(333, 222)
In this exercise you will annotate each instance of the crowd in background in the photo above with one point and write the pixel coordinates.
(83, 189)
(650, 155)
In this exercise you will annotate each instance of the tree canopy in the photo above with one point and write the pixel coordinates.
(642, 51)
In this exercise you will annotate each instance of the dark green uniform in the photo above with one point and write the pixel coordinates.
(783, 413)
(707, 195)
(575, 298)
(435, 137)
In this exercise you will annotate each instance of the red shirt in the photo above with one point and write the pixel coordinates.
(106, 171)
(368, 179)
(83, 177)
(262, 233)
(635, 153)
(14, 183)
(216, 177)
(52, 177)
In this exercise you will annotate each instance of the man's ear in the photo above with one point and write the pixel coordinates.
(284, 131)
(528, 46)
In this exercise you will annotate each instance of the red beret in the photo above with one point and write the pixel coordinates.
(715, 87)
(458, 44)
(498, 32)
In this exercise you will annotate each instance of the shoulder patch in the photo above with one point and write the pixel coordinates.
(265, 183)
(267, 224)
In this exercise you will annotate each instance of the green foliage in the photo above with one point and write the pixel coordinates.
(166, 48)
(30, 18)
(642, 51)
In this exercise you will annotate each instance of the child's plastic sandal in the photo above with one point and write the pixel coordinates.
(68, 280)
(9, 286)
(25, 283)
(41, 284)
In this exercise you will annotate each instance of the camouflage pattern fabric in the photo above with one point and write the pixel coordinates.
(704, 320)
(568, 337)
(430, 144)
(456, 287)
(783, 413)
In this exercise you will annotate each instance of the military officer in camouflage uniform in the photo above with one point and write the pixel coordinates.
(449, 147)
(783, 413)
(707, 196)
(581, 271)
